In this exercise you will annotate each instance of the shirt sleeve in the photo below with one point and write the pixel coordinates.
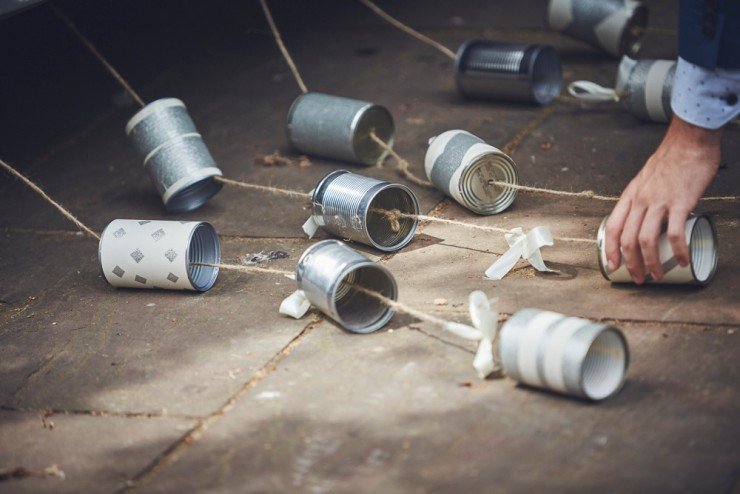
(705, 98)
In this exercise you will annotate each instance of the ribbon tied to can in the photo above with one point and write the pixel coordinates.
(527, 246)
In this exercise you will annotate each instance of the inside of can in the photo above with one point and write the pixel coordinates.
(703, 250)
(387, 230)
(476, 187)
(357, 311)
(204, 248)
(547, 75)
(605, 364)
(631, 41)
(193, 196)
(374, 119)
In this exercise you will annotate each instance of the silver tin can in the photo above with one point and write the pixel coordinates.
(463, 166)
(325, 273)
(174, 154)
(508, 72)
(611, 25)
(645, 87)
(353, 206)
(568, 355)
(701, 239)
(159, 254)
(339, 128)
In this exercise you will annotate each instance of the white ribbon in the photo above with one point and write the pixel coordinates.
(295, 305)
(592, 92)
(310, 227)
(526, 246)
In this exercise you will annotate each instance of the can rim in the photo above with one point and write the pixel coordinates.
(713, 227)
(151, 108)
(388, 312)
(415, 203)
(603, 328)
(212, 281)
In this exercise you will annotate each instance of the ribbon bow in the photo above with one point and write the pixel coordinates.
(592, 92)
(485, 320)
(527, 246)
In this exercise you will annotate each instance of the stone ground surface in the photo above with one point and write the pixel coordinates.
(159, 391)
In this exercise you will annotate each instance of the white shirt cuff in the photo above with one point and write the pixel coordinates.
(705, 98)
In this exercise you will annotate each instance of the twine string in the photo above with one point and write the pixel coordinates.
(90, 46)
(265, 188)
(48, 199)
(403, 165)
(281, 45)
(408, 30)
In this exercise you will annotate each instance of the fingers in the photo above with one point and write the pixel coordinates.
(648, 240)
(630, 243)
(614, 227)
(676, 234)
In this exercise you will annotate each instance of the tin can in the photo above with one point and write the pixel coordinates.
(645, 88)
(174, 154)
(701, 239)
(159, 254)
(508, 72)
(611, 25)
(463, 166)
(356, 207)
(326, 272)
(568, 355)
(339, 128)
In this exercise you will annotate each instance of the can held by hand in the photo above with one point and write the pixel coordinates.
(645, 88)
(701, 239)
(370, 211)
(508, 72)
(465, 168)
(568, 355)
(614, 26)
(339, 128)
(174, 154)
(327, 271)
(171, 255)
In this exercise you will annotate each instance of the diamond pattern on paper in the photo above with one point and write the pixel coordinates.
(144, 222)
(137, 255)
(173, 278)
(140, 279)
(118, 271)
(157, 236)
(119, 233)
(170, 255)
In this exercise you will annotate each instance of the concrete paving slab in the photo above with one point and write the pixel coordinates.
(95, 454)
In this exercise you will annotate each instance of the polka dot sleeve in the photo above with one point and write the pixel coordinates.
(705, 98)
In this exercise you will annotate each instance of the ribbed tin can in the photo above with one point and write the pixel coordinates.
(645, 87)
(339, 128)
(159, 254)
(463, 166)
(508, 72)
(325, 273)
(354, 207)
(174, 154)
(611, 25)
(564, 354)
(701, 239)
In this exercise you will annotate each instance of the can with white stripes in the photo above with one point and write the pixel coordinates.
(568, 355)
(174, 154)
(701, 240)
(339, 128)
(470, 171)
(645, 87)
(326, 273)
(614, 26)
(170, 255)
(355, 207)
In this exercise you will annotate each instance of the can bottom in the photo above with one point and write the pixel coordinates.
(476, 190)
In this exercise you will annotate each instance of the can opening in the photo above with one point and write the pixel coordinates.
(631, 41)
(374, 119)
(193, 196)
(703, 250)
(358, 311)
(476, 187)
(604, 366)
(204, 248)
(547, 75)
(388, 232)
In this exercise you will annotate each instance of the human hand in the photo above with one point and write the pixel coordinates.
(668, 186)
